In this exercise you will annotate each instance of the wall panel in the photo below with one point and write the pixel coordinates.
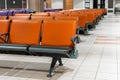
(56, 4)
(36, 5)
(48, 3)
(78, 4)
(2, 4)
(14, 3)
(68, 4)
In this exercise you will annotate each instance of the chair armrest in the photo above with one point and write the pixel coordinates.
(75, 39)
(1, 38)
(3, 34)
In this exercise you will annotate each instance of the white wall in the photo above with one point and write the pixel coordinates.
(91, 3)
(78, 4)
(34, 5)
(106, 3)
(57, 4)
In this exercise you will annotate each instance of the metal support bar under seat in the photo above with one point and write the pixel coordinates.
(53, 63)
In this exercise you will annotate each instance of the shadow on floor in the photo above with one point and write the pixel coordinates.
(30, 70)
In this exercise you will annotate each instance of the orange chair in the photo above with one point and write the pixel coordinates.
(52, 35)
(22, 14)
(4, 28)
(19, 17)
(105, 11)
(40, 14)
(75, 18)
(82, 22)
(90, 19)
(22, 32)
(67, 12)
(3, 17)
(58, 40)
(42, 17)
(57, 14)
(66, 18)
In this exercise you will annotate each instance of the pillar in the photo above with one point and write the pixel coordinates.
(36, 5)
(48, 3)
(68, 4)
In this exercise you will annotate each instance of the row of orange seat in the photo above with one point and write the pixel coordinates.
(25, 28)
(39, 18)
(54, 38)
(86, 18)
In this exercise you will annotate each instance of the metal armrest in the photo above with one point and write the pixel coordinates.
(75, 39)
(3, 35)
(51, 51)
(13, 47)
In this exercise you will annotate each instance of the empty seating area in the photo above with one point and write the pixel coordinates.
(17, 36)
(87, 19)
(52, 34)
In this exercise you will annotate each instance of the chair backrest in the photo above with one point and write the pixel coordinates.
(25, 32)
(67, 18)
(4, 26)
(57, 14)
(41, 17)
(3, 17)
(90, 16)
(19, 17)
(41, 14)
(67, 12)
(82, 19)
(74, 13)
(58, 33)
(22, 14)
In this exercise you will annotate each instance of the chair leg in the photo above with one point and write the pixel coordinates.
(54, 60)
(60, 62)
(86, 31)
(7, 52)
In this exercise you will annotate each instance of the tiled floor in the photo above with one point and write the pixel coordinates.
(99, 58)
